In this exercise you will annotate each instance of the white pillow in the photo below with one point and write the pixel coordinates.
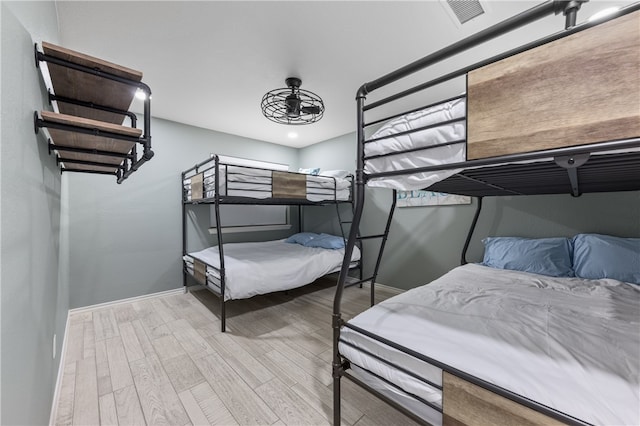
(335, 173)
(311, 171)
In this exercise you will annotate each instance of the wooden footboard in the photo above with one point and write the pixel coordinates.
(581, 89)
(464, 403)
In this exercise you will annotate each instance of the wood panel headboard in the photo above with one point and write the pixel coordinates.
(581, 89)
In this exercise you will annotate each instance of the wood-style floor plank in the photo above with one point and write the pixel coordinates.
(64, 412)
(212, 406)
(165, 361)
(86, 410)
(128, 407)
(105, 324)
(118, 364)
(132, 346)
(108, 414)
(288, 405)
(237, 396)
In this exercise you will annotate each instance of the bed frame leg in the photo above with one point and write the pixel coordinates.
(223, 319)
(336, 400)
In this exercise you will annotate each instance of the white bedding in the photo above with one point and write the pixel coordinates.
(451, 132)
(256, 183)
(568, 343)
(265, 267)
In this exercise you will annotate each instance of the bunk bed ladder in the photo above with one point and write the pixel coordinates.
(342, 223)
(383, 237)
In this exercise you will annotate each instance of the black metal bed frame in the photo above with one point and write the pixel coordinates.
(217, 200)
(604, 172)
(131, 161)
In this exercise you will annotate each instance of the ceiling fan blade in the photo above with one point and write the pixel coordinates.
(310, 109)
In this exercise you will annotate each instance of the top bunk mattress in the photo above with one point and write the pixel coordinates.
(568, 343)
(241, 181)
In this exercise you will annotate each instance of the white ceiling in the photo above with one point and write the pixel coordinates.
(209, 63)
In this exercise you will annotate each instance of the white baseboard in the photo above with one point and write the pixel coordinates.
(128, 300)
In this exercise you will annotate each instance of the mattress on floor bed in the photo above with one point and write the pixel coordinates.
(568, 343)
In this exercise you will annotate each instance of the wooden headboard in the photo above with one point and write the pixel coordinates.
(581, 89)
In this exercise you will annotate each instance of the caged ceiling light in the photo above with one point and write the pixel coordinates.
(292, 105)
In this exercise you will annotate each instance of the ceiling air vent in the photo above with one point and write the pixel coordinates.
(465, 10)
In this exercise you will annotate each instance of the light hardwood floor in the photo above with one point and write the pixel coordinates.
(164, 361)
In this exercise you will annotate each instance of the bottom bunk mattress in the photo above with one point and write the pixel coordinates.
(264, 267)
(570, 344)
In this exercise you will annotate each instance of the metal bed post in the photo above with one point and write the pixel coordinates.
(216, 204)
(338, 367)
(463, 259)
(184, 232)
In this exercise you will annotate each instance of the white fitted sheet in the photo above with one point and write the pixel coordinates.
(568, 343)
(264, 267)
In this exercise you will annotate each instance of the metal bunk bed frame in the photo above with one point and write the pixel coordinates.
(218, 200)
(479, 182)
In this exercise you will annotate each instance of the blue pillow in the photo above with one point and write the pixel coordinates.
(544, 256)
(603, 256)
(326, 241)
(301, 238)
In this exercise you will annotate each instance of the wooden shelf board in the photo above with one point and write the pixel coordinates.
(86, 87)
(90, 168)
(66, 155)
(89, 124)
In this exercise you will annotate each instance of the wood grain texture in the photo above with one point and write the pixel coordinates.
(581, 89)
(467, 404)
(118, 364)
(217, 379)
(159, 400)
(200, 270)
(88, 123)
(86, 393)
(64, 410)
(128, 407)
(86, 87)
(108, 413)
(288, 185)
(288, 405)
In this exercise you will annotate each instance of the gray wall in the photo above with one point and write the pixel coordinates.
(126, 240)
(34, 302)
(426, 242)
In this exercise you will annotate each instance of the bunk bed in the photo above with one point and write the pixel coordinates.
(484, 345)
(241, 270)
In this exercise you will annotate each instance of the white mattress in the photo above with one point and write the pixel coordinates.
(256, 183)
(451, 132)
(568, 343)
(264, 267)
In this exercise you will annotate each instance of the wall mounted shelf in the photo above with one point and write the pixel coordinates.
(91, 100)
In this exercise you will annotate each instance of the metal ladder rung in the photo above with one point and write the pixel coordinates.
(352, 283)
(367, 237)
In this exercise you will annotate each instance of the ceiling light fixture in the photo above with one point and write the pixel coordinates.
(292, 105)
(292, 135)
